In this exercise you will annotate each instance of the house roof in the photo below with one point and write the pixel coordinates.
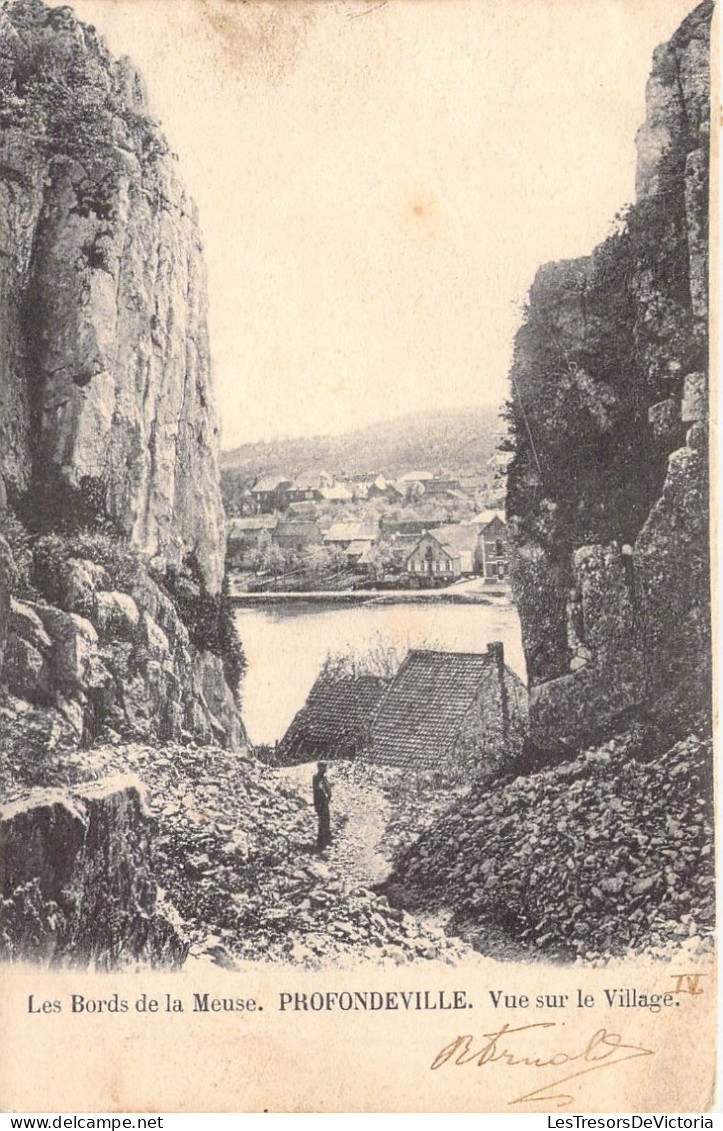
(332, 494)
(416, 476)
(352, 532)
(270, 483)
(358, 549)
(313, 480)
(428, 700)
(251, 524)
(484, 518)
(456, 535)
(335, 718)
(297, 529)
(399, 487)
(452, 493)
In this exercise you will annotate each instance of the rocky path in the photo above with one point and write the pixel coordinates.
(360, 816)
(357, 852)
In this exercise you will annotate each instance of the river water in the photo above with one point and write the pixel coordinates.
(287, 642)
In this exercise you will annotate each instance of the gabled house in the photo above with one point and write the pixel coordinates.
(377, 489)
(339, 493)
(441, 485)
(245, 534)
(492, 534)
(381, 488)
(309, 485)
(459, 712)
(449, 551)
(271, 493)
(335, 721)
(342, 534)
(473, 481)
(296, 534)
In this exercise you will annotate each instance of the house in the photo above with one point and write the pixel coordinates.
(377, 489)
(271, 493)
(492, 533)
(473, 482)
(416, 477)
(297, 534)
(381, 488)
(451, 495)
(309, 485)
(441, 485)
(342, 534)
(335, 721)
(360, 555)
(449, 551)
(339, 493)
(397, 491)
(410, 527)
(245, 534)
(458, 712)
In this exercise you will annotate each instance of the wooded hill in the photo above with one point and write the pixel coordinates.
(463, 439)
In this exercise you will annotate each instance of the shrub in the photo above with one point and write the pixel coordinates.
(20, 542)
(208, 617)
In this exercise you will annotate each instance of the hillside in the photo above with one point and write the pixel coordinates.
(461, 439)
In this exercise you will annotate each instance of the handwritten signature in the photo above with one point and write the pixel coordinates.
(603, 1050)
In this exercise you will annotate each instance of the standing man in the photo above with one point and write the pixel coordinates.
(322, 797)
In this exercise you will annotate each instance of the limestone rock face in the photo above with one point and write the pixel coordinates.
(608, 491)
(105, 390)
(76, 878)
(116, 665)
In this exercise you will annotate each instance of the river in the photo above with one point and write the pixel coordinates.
(286, 645)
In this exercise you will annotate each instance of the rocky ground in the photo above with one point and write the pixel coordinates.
(607, 855)
(235, 851)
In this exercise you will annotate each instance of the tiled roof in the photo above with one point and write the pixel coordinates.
(335, 720)
(430, 697)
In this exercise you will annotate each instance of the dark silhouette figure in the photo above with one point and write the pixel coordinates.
(322, 797)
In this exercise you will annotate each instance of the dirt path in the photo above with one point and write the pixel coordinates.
(360, 813)
(365, 813)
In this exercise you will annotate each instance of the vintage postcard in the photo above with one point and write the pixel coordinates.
(356, 683)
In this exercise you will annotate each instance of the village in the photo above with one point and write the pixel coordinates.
(421, 530)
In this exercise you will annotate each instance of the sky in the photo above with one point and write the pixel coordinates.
(377, 183)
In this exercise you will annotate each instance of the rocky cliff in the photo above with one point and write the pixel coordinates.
(112, 534)
(603, 845)
(607, 489)
(77, 879)
(105, 396)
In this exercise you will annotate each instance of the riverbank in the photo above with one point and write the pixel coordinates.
(466, 592)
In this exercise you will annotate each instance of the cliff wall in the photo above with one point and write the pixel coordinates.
(77, 882)
(607, 490)
(105, 396)
(112, 532)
